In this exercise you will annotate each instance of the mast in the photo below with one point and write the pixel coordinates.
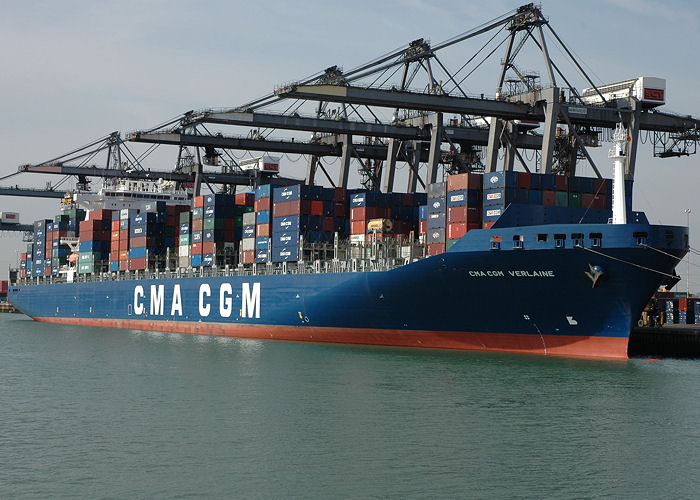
(617, 153)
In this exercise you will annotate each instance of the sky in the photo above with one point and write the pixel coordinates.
(75, 71)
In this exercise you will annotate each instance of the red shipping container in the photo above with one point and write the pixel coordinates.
(114, 247)
(197, 225)
(340, 209)
(90, 225)
(207, 247)
(436, 249)
(423, 227)
(463, 214)
(99, 215)
(586, 200)
(143, 241)
(407, 199)
(294, 207)
(328, 224)
(198, 202)
(248, 256)
(366, 213)
(487, 225)
(561, 182)
(23, 256)
(123, 234)
(172, 220)
(137, 264)
(123, 255)
(47, 271)
(599, 201)
(49, 253)
(114, 235)
(358, 227)
(196, 248)
(317, 208)
(549, 198)
(229, 225)
(340, 194)
(456, 230)
(262, 204)
(115, 225)
(123, 245)
(246, 199)
(123, 265)
(457, 182)
(682, 304)
(523, 180)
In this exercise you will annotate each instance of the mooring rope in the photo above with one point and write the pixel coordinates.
(630, 263)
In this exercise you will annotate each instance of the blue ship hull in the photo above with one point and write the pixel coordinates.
(482, 294)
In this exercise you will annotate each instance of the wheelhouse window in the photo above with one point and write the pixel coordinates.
(577, 239)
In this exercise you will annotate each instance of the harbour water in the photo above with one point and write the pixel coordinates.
(101, 413)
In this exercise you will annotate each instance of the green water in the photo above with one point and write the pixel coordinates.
(100, 413)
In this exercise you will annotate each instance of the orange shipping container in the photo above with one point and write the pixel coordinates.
(262, 230)
(458, 182)
(436, 249)
(248, 256)
(358, 227)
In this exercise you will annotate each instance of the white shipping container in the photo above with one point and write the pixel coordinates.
(9, 217)
(248, 244)
(249, 219)
(357, 239)
(183, 251)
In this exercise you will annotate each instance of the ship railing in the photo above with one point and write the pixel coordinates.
(303, 267)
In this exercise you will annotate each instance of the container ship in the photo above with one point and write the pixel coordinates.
(501, 261)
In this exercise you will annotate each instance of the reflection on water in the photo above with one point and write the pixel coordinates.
(100, 412)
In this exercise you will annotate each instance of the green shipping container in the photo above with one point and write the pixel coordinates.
(185, 217)
(85, 268)
(214, 223)
(239, 221)
(30, 247)
(184, 240)
(561, 199)
(243, 209)
(91, 257)
(575, 200)
(61, 218)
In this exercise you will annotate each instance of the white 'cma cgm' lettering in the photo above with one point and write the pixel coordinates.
(250, 300)
(515, 274)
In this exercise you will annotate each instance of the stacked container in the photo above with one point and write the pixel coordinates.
(364, 207)
(218, 228)
(184, 239)
(122, 259)
(500, 190)
(257, 248)
(94, 242)
(196, 231)
(464, 198)
(146, 236)
(294, 217)
(60, 252)
(437, 218)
